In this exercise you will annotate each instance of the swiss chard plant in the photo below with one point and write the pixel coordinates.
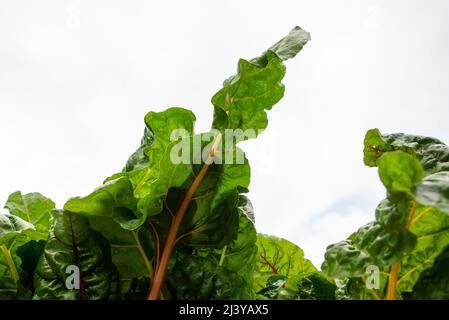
(175, 222)
(408, 242)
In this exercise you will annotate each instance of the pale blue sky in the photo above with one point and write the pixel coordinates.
(77, 77)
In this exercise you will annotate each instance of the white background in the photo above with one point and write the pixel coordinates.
(77, 77)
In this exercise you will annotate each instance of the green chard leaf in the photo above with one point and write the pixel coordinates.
(113, 199)
(12, 236)
(256, 87)
(310, 286)
(33, 208)
(111, 210)
(279, 267)
(21, 242)
(160, 132)
(412, 223)
(76, 263)
(239, 256)
(200, 278)
(433, 283)
(316, 286)
(433, 154)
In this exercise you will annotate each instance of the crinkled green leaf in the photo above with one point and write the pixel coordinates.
(32, 207)
(11, 226)
(311, 286)
(215, 221)
(344, 259)
(431, 228)
(163, 125)
(399, 172)
(387, 240)
(109, 210)
(415, 213)
(434, 191)
(13, 234)
(277, 256)
(240, 254)
(356, 288)
(166, 175)
(131, 252)
(276, 289)
(212, 217)
(375, 146)
(73, 243)
(256, 87)
(162, 128)
(139, 159)
(201, 278)
(289, 46)
(433, 154)
(394, 210)
(433, 283)
(386, 244)
(316, 286)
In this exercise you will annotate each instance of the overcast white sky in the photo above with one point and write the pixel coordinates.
(77, 77)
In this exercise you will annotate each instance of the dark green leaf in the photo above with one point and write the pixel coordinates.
(433, 154)
(316, 286)
(433, 283)
(73, 243)
(14, 233)
(200, 278)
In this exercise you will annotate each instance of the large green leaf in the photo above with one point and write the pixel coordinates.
(132, 253)
(14, 232)
(73, 243)
(113, 199)
(162, 128)
(215, 220)
(212, 216)
(433, 154)
(434, 191)
(111, 210)
(399, 172)
(355, 288)
(201, 278)
(279, 257)
(316, 286)
(256, 87)
(22, 235)
(433, 283)
(310, 286)
(431, 228)
(32, 207)
(344, 259)
(239, 255)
